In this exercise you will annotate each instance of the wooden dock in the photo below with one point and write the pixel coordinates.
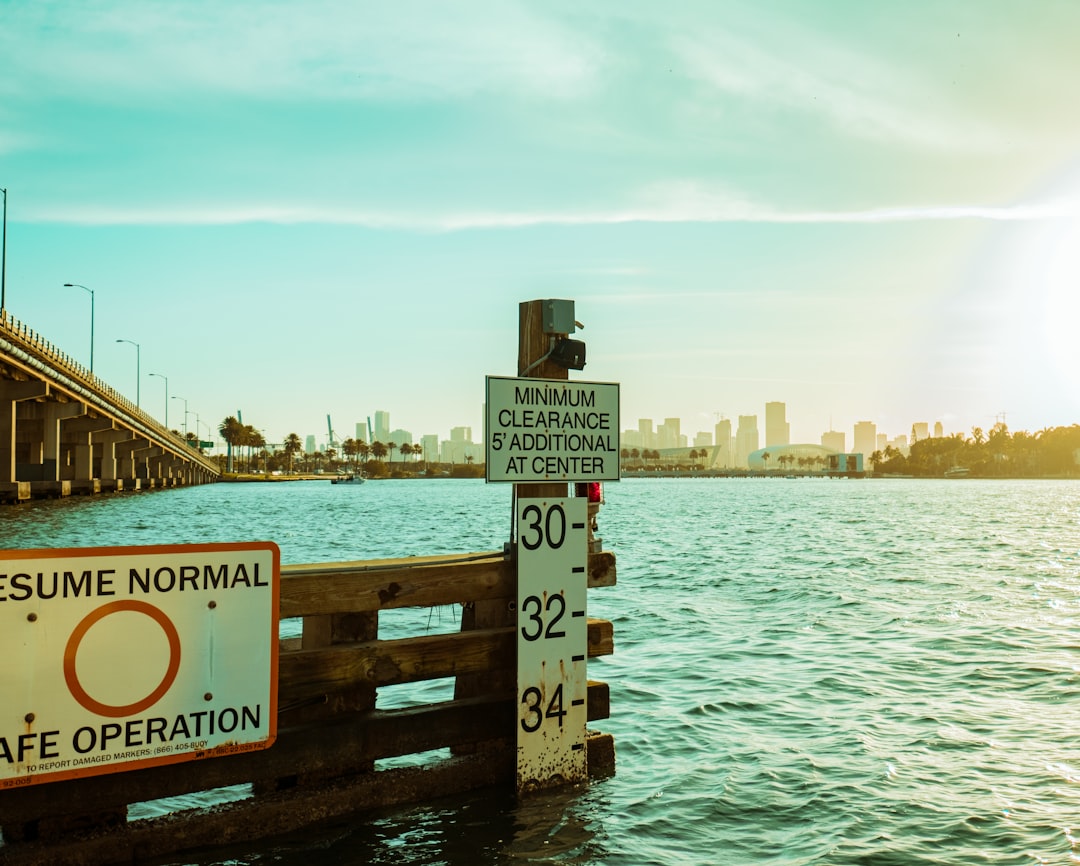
(330, 732)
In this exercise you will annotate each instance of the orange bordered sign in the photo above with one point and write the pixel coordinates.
(119, 658)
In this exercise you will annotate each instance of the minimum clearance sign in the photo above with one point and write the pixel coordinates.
(118, 658)
(552, 430)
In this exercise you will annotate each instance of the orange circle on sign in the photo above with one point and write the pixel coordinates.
(72, 649)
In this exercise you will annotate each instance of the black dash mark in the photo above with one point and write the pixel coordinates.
(577, 747)
(578, 569)
(577, 525)
(577, 658)
(579, 702)
(578, 613)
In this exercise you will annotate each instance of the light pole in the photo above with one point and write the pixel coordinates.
(166, 378)
(185, 413)
(3, 263)
(138, 368)
(91, 291)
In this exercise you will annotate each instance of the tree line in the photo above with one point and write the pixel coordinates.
(994, 454)
(248, 451)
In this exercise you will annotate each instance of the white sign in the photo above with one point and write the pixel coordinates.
(117, 658)
(551, 430)
(552, 642)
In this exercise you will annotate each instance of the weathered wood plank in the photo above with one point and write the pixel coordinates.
(330, 746)
(307, 674)
(430, 581)
(268, 815)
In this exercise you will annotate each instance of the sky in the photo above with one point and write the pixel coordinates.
(867, 211)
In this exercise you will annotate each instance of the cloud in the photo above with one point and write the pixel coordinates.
(321, 50)
(803, 72)
(678, 202)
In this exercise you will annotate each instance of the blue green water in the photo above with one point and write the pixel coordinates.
(806, 671)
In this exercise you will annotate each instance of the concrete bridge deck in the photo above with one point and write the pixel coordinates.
(63, 431)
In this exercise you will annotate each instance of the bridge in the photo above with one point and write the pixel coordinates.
(63, 431)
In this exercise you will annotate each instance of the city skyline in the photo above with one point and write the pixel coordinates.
(859, 210)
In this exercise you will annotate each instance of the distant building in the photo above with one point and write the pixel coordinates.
(631, 439)
(401, 437)
(461, 434)
(746, 440)
(920, 430)
(846, 462)
(703, 440)
(645, 428)
(865, 438)
(429, 447)
(777, 429)
(723, 453)
(669, 434)
(381, 430)
(834, 440)
(939, 431)
(309, 444)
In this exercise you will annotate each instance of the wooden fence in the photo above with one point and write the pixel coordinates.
(330, 732)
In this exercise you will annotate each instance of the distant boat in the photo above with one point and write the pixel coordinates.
(957, 472)
(348, 479)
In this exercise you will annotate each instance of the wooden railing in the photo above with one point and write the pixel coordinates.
(330, 733)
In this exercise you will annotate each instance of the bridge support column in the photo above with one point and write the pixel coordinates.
(11, 394)
(110, 439)
(132, 459)
(78, 436)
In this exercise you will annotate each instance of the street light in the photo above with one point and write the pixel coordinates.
(91, 291)
(185, 413)
(138, 367)
(3, 262)
(166, 378)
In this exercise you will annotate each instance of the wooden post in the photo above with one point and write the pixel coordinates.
(533, 344)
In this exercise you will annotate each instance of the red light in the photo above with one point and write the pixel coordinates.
(592, 490)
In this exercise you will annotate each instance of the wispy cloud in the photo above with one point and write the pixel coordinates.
(803, 72)
(697, 210)
(322, 50)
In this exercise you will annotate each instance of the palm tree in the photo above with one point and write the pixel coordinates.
(292, 446)
(231, 431)
(378, 450)
(391, 447)
(765, 459)
(350, 448)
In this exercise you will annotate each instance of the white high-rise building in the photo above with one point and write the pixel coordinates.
(429, 447)
(381, 430)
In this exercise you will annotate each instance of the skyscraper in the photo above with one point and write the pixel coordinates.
(777, 429)
(865, 438)
(382, 427)
(724, 457)
(746, 440)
